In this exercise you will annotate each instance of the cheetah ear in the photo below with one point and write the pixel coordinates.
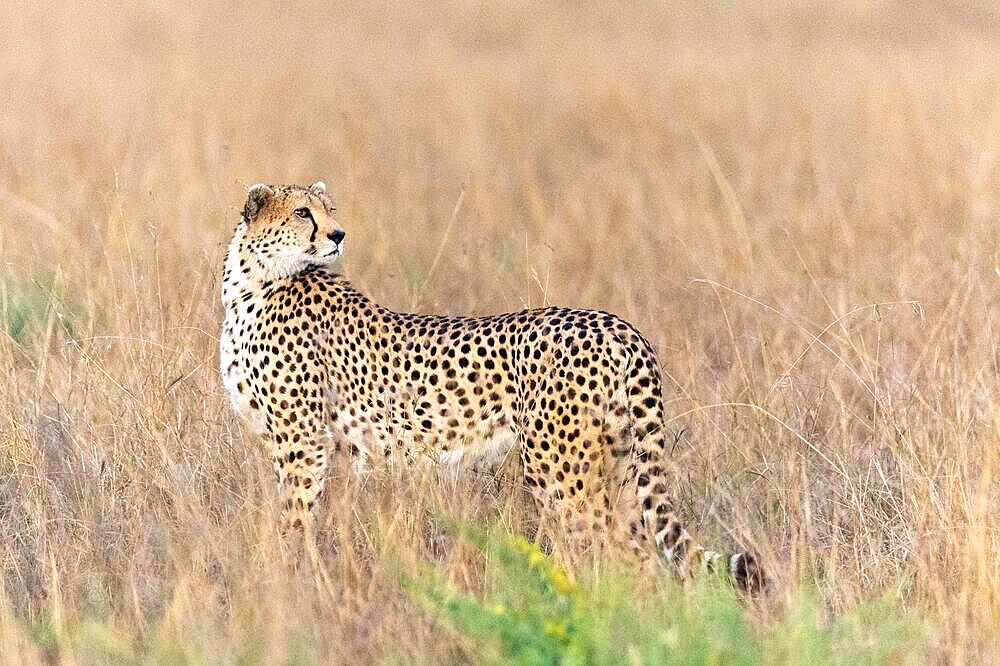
(319, 187)
(257, 196)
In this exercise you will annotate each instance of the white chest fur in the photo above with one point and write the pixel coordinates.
(234, 353)
(234, 366)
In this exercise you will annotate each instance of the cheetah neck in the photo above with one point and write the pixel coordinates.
(245, 274)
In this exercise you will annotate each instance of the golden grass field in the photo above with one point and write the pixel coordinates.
(798, 206)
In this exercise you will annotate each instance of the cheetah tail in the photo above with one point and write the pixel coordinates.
(677, 548)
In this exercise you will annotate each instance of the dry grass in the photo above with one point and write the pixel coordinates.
(799, 208)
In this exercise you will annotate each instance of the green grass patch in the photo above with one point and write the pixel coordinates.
(529, 612)
(27, 305)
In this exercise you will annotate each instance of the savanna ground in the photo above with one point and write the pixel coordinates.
(798, 206)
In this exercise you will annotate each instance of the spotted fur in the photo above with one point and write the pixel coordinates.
(316, 367)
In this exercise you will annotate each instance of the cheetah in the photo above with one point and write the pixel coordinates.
(315, 367)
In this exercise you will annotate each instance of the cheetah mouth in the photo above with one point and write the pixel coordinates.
(336, 252)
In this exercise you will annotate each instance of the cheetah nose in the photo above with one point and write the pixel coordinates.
(337, 236)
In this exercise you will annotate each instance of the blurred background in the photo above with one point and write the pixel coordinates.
(667, 141)
(797, 203)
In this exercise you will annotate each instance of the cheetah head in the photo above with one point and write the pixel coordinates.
(287, 229)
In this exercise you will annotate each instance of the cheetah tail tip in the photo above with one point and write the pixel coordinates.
(746, 573)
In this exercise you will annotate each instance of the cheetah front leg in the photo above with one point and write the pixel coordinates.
(299, 448)
(301, 470)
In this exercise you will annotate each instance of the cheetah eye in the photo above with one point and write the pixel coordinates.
(304, 213)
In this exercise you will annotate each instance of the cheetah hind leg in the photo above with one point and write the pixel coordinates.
(566, 479)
